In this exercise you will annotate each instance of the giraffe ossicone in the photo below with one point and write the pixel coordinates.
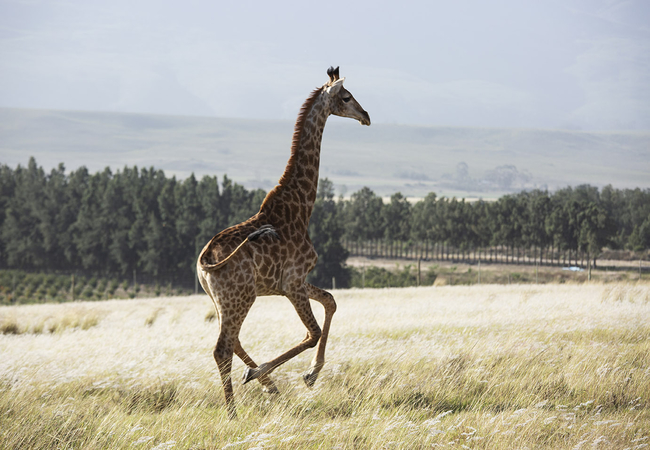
(271, 253)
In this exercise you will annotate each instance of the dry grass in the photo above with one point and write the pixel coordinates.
(17, 321)
(451, 367)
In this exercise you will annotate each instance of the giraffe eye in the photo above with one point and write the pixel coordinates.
(346, 99)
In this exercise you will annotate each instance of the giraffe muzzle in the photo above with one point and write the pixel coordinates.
(365, 118)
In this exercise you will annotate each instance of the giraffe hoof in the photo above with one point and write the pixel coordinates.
(309, 378)
(271, 389)
(250, 374)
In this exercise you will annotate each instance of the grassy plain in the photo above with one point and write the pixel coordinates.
(514, 366)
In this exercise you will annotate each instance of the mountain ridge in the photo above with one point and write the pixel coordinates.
(412, 159)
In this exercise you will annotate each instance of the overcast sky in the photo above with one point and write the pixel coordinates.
(580, 64)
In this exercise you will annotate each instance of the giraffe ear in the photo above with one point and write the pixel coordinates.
(335, 86)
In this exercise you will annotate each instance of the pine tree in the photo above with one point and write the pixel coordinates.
(363, 216)
(326, 231)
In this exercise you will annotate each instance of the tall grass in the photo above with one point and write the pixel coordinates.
(450, 367)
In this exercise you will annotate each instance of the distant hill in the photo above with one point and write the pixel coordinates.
(468, 162)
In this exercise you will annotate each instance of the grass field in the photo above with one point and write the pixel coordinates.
(515, 366)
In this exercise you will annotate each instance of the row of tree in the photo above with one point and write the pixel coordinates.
(580, 219)
(139, 220)
(114, 223)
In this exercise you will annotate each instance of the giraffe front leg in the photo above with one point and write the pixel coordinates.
(327, 300)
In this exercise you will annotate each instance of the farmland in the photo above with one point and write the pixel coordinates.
(514, 366)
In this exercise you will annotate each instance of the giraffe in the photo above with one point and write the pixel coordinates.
(271, 253)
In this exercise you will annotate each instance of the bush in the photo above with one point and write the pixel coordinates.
(49, 280)
(379, 277)
(101, 286)
(88, 292)
(112, 286)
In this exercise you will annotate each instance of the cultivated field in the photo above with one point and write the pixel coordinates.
(534, 366)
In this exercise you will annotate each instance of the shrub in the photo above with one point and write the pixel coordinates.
(9, 326)
(49, 280)
(88, 292)
(112, 286)
(101, 286)
(211, 315)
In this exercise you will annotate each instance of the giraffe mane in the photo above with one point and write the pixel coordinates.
(295, 143)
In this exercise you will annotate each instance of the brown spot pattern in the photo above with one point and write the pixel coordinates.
(269, 266)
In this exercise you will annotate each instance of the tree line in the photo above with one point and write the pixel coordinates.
(114, 223)
(140, 221)
(578, 220)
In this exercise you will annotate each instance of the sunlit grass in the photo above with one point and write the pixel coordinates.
(64, 319)
(481, 367)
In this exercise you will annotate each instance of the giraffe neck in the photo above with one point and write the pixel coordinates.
(299, 182)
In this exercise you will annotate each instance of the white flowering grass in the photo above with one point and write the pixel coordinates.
(552, 366)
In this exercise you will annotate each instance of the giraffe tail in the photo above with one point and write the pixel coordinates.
(264, 230)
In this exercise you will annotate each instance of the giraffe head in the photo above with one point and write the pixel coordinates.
(341, 101)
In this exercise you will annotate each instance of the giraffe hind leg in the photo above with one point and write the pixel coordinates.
(233, 306)
(223, 352)
(300, 301)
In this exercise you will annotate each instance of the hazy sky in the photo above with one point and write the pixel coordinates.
(582, 64)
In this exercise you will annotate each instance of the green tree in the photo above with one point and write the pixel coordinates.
(630, 209)
(480, 224)
(507, 222)
(424, 219)
(579, 221)
(456, 222)
(58, 214)
(397, 218)
(209, 198)
(117, 212)
(22, 232)
(92, 227)
(535, 208)
(188, 211)
(326, 231)
(165, 238)
(7, 192)
(363, 216)
(639, 239)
